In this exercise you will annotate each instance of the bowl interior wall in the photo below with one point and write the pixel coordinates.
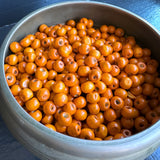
(100, 14)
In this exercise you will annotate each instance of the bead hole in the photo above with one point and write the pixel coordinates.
(106, 104)
(65, 115)
(39, 57)
(96, 89)
(9, 77)
(68, 78)
(118, 101)
(95, 77)
(141, 125)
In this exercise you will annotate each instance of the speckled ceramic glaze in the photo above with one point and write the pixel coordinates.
(47, 144)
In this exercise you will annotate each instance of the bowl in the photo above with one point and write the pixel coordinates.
(47, 144)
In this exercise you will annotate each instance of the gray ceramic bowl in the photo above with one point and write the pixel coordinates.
(50, 145)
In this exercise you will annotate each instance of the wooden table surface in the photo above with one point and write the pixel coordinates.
(12, 11)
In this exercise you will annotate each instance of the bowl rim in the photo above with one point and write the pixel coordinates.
(22, 114)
